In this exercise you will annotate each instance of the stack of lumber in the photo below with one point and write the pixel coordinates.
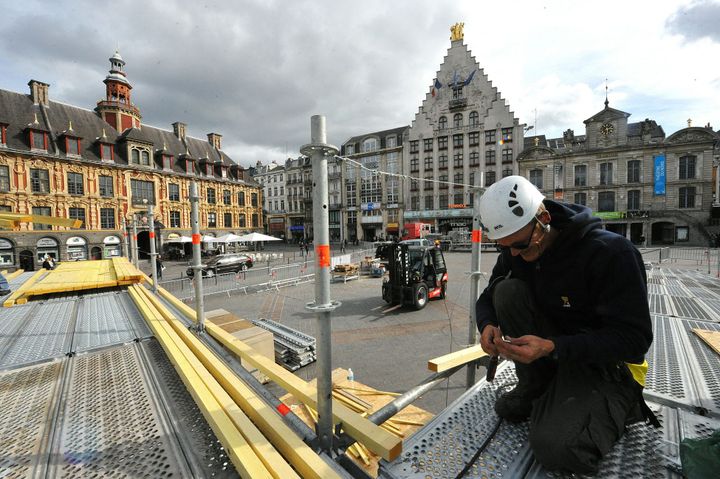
(257, 338)
(346, 268)
(293, 349)
(77, 276)
(363, 400)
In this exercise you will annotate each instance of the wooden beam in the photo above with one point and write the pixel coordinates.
(712, 338)
(244, 459)
(14, 274)
(372, 436)
(443, 363)
(294, 450)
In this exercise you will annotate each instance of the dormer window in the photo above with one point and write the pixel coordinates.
(224, 169)
(167, 162)
(3, 134)
(189, 168)
(139, 156)
(38, 140)
(208, 169)
(72, 145)
(107, 152)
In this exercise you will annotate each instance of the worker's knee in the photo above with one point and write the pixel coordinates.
(558, 449)
(507, 292)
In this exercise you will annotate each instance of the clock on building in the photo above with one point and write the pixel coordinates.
(607, 128)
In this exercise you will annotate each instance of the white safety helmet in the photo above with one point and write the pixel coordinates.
(508, 205)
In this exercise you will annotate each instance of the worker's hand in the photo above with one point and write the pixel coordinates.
(524, 349)
(487, 339)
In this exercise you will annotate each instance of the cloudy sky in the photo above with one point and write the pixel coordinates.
(256, 71)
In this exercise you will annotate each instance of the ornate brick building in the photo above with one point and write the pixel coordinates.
(104, 167)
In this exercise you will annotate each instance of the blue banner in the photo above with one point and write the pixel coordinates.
(659, 175)
(297, 228)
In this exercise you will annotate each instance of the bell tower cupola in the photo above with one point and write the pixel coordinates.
(116, 108)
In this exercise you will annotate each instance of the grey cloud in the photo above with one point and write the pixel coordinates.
(698, 20)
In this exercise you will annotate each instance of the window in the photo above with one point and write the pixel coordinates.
(167, 162)
(75, 183)
(413, 187)
(242, 223)
(443, 162)
(4, 178)
(41, 211)
(472, 178)
(3, 134)
(458, 199)
(507, 135)
(211, 196)
(443, 202)
(173, 192)
(390, 142)
(474, 137)
(414, 164)
(350, 149)
(255, 220)
(429, 202)
(414, 201)
(606, 201)
(135, 156)
(226, 197)
(458, 178)
(507, 172)
(414, 145)
(442, 142)
(536, 178)
(212, 220)
(107, 218)
(580, 176)
(106, 152)
(682, 233)
(687, 197)
(442, 122)
(428, 162)
(474, 118)
(606, 172)
(457, 120)
(77, 214)
(474, 158)
(507, 155)
(633, 171)
(175, 219)
(489, 157)
(38, 140)
(428, 183)
(145, 158)
(241, 198)
(39, 181)
(490, 177)
(443, 180)
(457, 141)
(227, 220)
(458, 160)
(580, 199)
(687, 167)
(489, 137)
(253, 199)
(142, 190)
(370, 144)
(428, 144)
(105, 184)
(72, 145)
(633, 200)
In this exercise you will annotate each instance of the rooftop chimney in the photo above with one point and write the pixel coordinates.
(39, 92)
(179, 129)
(215, 139)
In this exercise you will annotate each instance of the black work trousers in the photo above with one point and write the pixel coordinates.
(584, 407)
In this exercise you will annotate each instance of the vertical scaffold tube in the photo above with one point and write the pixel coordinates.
(196, 261)
(474, 282)
(153, 252)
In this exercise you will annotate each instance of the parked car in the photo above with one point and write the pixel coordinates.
(224, 263)
(417, 242)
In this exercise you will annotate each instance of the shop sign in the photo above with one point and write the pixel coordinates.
(277, 220)
(393, 225)
(46, 243)
(457, 205)
(75, 241)
(609, 215)
(438, 214)
(170, 236)
(370, 206)
(5, 244)
(116, 240)
(297, 228)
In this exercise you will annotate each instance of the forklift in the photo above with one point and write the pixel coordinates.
(415, 274)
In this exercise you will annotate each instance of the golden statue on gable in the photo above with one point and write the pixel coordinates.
(456, 31)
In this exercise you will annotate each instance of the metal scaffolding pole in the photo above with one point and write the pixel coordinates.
(318, 150)
(134, 242)
(153, 253)
(126, 249)
(474, 282)
(196, 262)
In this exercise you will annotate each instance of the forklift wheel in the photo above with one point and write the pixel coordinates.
(421, 296)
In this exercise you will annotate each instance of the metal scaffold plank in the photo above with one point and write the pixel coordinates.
(295, 451)
(243, 457)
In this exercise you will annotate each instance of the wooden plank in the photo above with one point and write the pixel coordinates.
(294, 450)
(14, 274)
(18, 293)
(712, 338)
(244, 459)
(443, 363)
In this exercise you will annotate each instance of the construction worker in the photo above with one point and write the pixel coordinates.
(567, 302)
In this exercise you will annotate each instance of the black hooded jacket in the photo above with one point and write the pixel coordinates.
(590, 284)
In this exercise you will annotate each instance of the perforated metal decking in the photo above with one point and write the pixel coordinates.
(93, 397)
(683, 387)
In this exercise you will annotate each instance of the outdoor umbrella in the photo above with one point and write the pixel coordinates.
(254, 237)
(228, 238)
(180, 239)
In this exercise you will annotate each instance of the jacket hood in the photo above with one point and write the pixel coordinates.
(573, 221)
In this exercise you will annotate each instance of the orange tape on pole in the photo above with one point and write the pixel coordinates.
(195, 238)
(152, 234)
(477, 236)
(322, 251)
(134, 237)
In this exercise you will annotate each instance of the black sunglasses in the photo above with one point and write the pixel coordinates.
(524, 244)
